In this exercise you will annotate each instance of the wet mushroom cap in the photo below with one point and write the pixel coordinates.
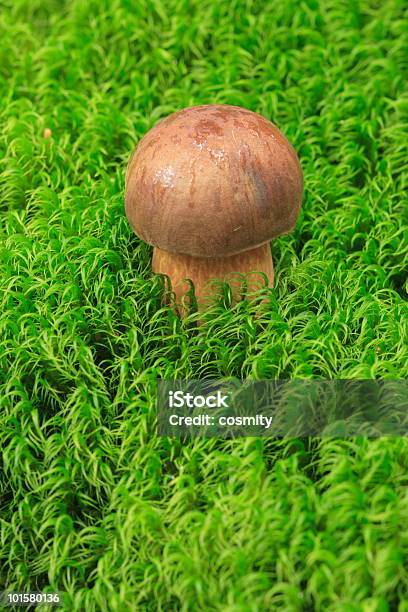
(212, 181)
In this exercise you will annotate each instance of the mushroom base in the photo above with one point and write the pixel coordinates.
(254, 264)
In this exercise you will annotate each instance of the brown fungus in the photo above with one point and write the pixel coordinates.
(209, 187)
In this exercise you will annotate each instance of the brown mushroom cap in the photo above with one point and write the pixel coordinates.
(211, 181)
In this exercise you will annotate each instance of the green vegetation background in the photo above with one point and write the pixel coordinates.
(92, 502)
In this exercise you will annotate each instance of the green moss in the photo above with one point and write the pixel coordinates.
(92, 502)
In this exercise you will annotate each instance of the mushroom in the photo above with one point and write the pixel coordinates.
(209, 187)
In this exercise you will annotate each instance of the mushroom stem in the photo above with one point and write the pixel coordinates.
(202, 270)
